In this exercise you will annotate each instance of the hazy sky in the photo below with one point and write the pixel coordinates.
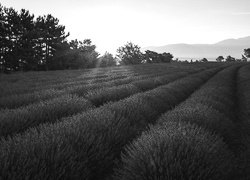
(112, 23)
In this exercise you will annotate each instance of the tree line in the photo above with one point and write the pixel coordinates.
(40, 44)
(29, 43)
(131, 54)
(232, 59)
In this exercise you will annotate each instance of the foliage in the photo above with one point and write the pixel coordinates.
(243, 86)
(230, 59)
(194, 114)
(50, 34)
(243, 58)
(103, 95)
(130, 54)
(106, 94)
(19, 120)
(17, 100)
(204, 60)
(106, 60)
(40, 44)
(176, 151)
(95, 138)
(28, 43)
(219, 58)
(209, 109)
(247, 52)
(154, 57)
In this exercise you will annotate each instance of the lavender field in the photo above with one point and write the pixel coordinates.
(150, 121)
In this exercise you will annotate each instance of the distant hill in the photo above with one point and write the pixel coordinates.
(232, 47)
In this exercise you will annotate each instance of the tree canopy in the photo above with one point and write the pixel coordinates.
(154, 57)
(219, 58)
(130, 54)
(106, 60)
(33, 44)
(204, 60)
(29, 43)
(247, 52)
(230, 59)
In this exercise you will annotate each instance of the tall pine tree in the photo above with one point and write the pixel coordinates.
(27, 40)
(3, 34)
(11, 37)
(50, 36)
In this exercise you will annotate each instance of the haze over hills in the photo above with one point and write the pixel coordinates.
(232, 47)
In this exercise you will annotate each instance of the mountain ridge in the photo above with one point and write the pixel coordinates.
(232, 47)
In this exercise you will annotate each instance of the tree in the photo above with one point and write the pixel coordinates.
(11, 37)
(204, 60)
(130, 54)
(16, 39)
(166, 57)
(3, 36)
(90, 54)
(154, 57)
(151, 56)
(29, 44)
(230, 59)
(27, 41)
(243, 58)
(219, 58)
(106, 60)
(50, 35)
(77, 54)
(62, 56)
(247, 52)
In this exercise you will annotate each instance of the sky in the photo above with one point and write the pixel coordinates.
(110, 24)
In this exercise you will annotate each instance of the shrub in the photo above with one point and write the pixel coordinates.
(17, 100)
(19, 120)
(243, 89)
(213, 106)
(103, 95)
(146, 84)
(82, 90)
(100, 96)
(86, 145)
(171, 77)
(79, 147)
(214, 101)
(176, 150)
(243, 84)
(206, 117)
(137, 111)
